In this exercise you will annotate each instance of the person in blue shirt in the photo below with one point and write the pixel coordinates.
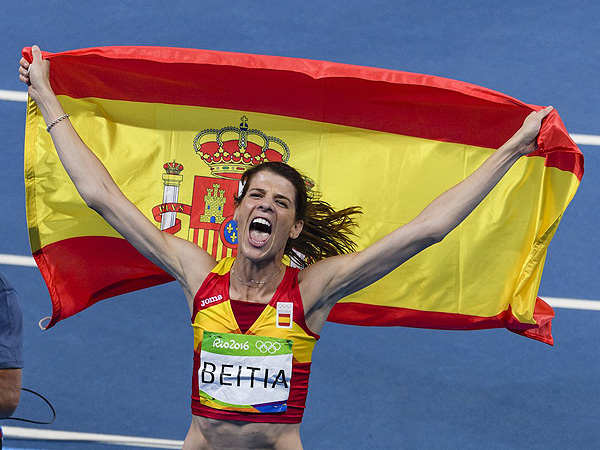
(11, 348)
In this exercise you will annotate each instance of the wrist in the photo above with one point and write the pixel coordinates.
(48, 103)
(44, 93)
(512, 150)
(518, 144)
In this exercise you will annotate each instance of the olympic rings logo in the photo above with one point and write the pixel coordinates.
(268, 347)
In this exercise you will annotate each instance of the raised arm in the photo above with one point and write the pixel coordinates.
(327, 281)
(185, 261)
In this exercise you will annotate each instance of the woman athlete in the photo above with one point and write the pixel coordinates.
(240, 399)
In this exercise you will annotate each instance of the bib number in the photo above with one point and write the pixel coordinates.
(245, 373)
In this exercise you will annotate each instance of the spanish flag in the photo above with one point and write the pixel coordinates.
(177, 127)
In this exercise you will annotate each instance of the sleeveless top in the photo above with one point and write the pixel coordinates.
(228, 374)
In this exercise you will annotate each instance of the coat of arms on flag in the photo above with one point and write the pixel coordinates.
(227, 152)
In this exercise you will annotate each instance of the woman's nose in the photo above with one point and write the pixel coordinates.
(266, 205)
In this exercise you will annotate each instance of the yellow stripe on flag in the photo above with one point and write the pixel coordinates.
(135, 140)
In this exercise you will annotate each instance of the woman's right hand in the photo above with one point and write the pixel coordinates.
(36, 74)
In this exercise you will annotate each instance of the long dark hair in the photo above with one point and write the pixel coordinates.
(326, 232)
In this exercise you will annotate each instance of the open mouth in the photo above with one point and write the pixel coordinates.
(260, 231)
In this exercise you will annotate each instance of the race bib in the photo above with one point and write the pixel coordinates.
(245, 373)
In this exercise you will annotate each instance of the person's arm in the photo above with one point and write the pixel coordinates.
(334, 278)
(187, 262)
(10, 391)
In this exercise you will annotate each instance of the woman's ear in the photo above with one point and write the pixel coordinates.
(296, 229)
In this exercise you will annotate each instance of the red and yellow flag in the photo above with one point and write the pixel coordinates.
(176, 127)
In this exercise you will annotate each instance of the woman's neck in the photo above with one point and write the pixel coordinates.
(256, 282)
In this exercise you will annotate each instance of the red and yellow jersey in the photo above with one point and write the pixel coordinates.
(277, 389)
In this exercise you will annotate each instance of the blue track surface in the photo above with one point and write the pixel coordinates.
(123, 366)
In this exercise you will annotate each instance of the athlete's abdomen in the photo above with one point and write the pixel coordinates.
(223, 434)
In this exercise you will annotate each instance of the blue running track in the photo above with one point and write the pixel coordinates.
(123, 367)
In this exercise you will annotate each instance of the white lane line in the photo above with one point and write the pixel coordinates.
(17, 260)
(580, 139)
(13, 96)
(54, 435)
(573, 303)
(585, 139)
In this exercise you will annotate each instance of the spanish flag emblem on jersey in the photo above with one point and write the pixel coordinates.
(177, 127)
(285, 314)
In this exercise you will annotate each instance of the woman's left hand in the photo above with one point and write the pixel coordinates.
(525, 140)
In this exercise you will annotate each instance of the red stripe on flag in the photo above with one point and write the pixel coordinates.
(383, 100)
(84, 270)
(351, 313)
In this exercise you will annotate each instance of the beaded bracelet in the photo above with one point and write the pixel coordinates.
(54, 122)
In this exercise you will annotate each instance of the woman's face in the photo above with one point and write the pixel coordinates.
(267, 217)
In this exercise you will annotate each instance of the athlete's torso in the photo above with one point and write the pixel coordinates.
(257, 376)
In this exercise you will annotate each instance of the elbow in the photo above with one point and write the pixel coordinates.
(93, 204)
(436, 237)
(9, 403)
(434, 232)
(429, 240)
(95, 198)
(10, 391)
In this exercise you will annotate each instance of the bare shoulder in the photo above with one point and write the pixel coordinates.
(323, 273)
(320, 282)
(313, 279)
